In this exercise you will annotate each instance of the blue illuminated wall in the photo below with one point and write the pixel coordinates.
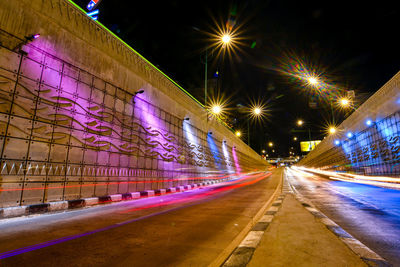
(373, 151)
(376, 150)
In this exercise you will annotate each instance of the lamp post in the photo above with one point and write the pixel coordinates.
(346, 104)
(300, 124)
(316, 82)
(256, 112)
(225, 40)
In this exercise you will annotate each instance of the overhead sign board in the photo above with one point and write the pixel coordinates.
(92, 4)
(307, 146)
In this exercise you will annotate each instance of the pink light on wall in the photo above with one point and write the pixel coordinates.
(236, 160)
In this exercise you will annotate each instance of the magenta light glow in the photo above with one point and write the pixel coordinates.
(116, 183)
(236, 160)
(221, 188)
(201, 195)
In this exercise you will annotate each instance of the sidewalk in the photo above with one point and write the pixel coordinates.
(293, 233)
(296, 238)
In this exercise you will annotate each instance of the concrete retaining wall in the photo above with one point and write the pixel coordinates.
(372, 149)
(72, 127)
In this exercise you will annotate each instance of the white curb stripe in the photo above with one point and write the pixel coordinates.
(266, 218)
(273, 209)
(328, 222)
(173, 190)
(14, 211)
(117, 197)
(59, 205)
(360, 249)
(252, 239)
(91, 201)
(135, 195)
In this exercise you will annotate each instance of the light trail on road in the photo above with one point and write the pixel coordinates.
(369, 213)
(170, 201)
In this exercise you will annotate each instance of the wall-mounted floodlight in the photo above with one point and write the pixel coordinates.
(136, 93)
(139, 92)
(337, 142)
(349, 135)
(368, 122)
(32, 37)
(28, 38)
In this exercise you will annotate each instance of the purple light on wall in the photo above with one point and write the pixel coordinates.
(236, 160)
(159, 132)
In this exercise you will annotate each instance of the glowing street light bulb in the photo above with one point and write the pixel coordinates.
(226, 38)
(270, 144)
(238, 133)
(216, 109)
(295, 138)
(312, 80)
(300, 122)
(257, 111)
(263, 151)
(332, 130)
(344, 102)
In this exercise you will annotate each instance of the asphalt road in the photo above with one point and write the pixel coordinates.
(183, 229)
(369, 213)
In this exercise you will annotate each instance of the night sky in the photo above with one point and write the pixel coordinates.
(351, 44)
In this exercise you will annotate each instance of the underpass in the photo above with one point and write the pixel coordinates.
(89, 120)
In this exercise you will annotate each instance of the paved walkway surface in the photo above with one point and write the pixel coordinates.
(294, 233)
(296, 238)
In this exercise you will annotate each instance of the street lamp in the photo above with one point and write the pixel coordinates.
(238, 133)
(225, 40)
(256, 112)
(312, 80)
(270, 144)
(300, 122)
(216, 109)
(332, 130)
(344, 102)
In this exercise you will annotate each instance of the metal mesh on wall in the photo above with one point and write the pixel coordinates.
(374, 151)
(67, 134)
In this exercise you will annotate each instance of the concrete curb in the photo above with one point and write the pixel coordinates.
(365, 253)
(243, 253)
(92, 201)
